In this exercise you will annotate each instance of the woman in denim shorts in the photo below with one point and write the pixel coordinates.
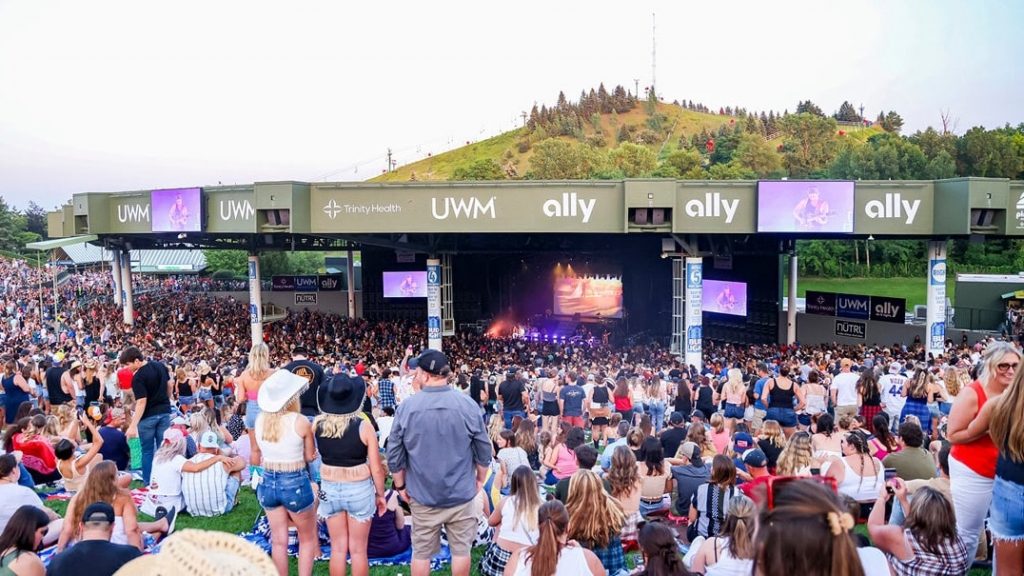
(1006, 516)
(285, 440)
(352, 488)
(247, 388)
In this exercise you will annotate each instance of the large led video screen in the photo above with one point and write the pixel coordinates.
(724, 297)
(805, 206)
(177, 210)
(592, 296)
(410, 284)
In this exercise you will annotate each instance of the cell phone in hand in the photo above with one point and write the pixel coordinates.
(890, 475)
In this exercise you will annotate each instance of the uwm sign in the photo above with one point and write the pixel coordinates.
(131, 213)
(230, 211)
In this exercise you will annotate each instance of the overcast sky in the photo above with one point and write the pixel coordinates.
(130, 95)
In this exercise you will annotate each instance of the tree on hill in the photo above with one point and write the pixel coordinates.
(683, 161)
(847, 113)
(892, 122)
(634, 160)
(808, 107)
(991, 153)
(932, 142)
(809, 145)
(758, 156)
(35, 220)
(883, 157)
(604, 99)
(561, 160)
(479, 169)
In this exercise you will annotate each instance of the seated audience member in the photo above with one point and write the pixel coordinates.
(554, 553)
(390, 535)
(169, 463)
(586, 458)
(732, 551)
(72, 469)
(756, 463)
(914, 461)
(213, 490)
(510, 456)
(711, 500)
(656, 477)
(384, 424)
(857, 474)
(19, 541)
(115, 443)
(516, 518)
(928, 542)
(94, 555)
(673, 436)
(38, 455)
(606, 457)
(689, 475)
(624, 483)
(596, 520)
(236, 423)
(13, 496)
(660, 551)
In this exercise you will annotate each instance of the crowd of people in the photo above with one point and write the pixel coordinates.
(552, 458)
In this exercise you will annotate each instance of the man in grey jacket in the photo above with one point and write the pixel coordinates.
(438, 453)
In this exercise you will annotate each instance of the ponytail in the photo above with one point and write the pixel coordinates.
(658, 543)
(553, 520)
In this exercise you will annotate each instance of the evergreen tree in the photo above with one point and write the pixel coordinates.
(604, 99)
(809, 108)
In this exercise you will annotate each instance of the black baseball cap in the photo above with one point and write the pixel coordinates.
(98, 512)
(676, 418)
(431, 361)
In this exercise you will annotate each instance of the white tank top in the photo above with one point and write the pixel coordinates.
(861, 489)
(571, 562)
(514, 529)
(289, 448)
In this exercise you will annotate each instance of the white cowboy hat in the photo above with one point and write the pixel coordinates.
(279, 389)
(202, 553)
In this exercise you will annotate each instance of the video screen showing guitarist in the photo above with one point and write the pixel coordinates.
(812, 212)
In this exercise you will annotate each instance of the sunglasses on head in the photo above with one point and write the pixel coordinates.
(773, 484)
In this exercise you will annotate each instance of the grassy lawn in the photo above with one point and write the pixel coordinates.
(914, 290)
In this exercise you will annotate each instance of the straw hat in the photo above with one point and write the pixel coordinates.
(279, 389)
(204, 368)
(202, 553)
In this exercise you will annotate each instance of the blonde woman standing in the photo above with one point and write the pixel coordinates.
(247, 388)
(735, 393)
(284, 490)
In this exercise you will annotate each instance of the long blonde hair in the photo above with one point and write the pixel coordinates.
(168, 450)
(271, 424)
(259, 361)
(623, 476)
(1006, 432)
(735, 382)
(594, 516)
(797, 455)
(100, 486)
(773, 432)
(334, 425)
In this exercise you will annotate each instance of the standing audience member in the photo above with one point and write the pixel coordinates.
(1007, 516)
(439, 455)
(352, 473)
(94, 555)
(285, 440)
(844, 390)
(247, 388)
(152, 413)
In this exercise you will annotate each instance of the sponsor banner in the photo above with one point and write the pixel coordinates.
(254, 314)
(853, 306)
(710, 207)
(305, 298)
(849, 329)
(131, 213)
(454, 208)
(231, 210)
(885, 309)
(694, 311)
(909, 211)
(936, 300)
(823, 303)
(282, 283)
(305, 283)
(331, 283)
(434, 304)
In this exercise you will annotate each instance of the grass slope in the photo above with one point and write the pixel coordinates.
(914, 290)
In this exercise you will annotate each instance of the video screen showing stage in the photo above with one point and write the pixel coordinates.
(177, 210)
(589, 295)
(805, 206)
(722, 297)
(408, 284)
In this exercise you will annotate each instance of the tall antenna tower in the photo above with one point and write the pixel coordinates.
(654, 50)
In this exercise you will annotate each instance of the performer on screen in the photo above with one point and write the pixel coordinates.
(178, 214)
(812, 212)
(726, 300)
(408, 286)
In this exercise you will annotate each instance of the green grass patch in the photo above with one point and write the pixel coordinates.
(914, 290)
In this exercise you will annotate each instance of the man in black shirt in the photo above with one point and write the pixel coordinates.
(514, 398)
(152, 416)
(674, 435)
(94, 555)
(53, 388)
(313, 373)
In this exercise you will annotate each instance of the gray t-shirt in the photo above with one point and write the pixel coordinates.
(438, 438)
(14, 496)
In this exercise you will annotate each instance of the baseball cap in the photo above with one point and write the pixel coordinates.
(209, 439)
(755, 458)
(698, 414)
(894, 368)
(173, 435)
(690, 450)
(742, 442)
(179, 421)
(99, 512)
(676, 418)
(432, 361)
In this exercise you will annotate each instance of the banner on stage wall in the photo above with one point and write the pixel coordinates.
(434, 304)
(936, 297)
(694, 311)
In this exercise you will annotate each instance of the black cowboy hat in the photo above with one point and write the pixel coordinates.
(341, 395)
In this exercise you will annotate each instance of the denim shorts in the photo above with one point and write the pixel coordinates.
(186, 400)
(252, 410)
(733, 411)
(1006, 518)
(231, 491)
(786, 417)
(289, 489)
(356, 498)
(205, 395)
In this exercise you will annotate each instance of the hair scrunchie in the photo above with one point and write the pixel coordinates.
(839, 522)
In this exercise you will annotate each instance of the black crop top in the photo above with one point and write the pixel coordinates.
(346, 451)
(779, 398)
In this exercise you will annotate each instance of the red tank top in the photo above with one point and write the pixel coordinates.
(981, 454)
